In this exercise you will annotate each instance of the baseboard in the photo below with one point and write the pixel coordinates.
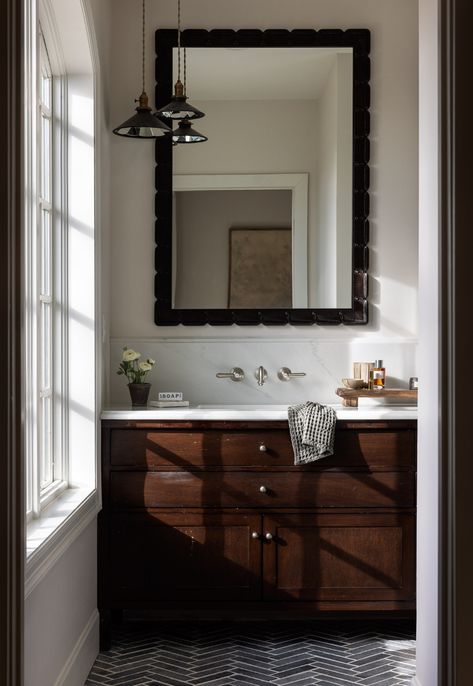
(82, 656)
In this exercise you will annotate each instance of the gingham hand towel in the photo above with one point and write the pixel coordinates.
(312, 429)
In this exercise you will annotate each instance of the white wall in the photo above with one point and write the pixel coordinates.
(331, 249)
(429, 301)
(81, 242)
(344, 178)
(393, 268)
(281, 140)
(323, 252)
(61, 628)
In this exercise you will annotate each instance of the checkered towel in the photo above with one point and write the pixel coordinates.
(312, 429)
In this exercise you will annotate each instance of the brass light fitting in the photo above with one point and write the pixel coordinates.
(178, 109)
(143, 124)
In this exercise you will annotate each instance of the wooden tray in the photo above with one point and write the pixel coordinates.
(350, 396)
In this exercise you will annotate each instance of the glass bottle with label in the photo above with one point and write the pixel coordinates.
(378, 375)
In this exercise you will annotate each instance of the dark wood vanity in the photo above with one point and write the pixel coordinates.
(209, 518)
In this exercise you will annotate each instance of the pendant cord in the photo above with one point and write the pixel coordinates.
(185, 73)
(143, 55)
(178, 40)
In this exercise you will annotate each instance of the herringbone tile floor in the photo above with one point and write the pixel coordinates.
(258, 654)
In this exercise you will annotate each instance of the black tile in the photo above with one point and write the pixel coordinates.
(258, 654)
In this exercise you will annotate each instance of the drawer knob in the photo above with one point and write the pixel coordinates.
(255, 535)
(262, 448)
(263, 489)
(268, 536)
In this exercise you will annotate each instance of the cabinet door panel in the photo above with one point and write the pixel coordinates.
(340, 557)
(179, 556)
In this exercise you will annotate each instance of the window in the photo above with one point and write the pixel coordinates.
(46, 300)
(60, 338)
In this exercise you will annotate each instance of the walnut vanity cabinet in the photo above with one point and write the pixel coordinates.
(213, 517)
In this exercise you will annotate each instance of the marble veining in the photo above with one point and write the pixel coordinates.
(190, 366)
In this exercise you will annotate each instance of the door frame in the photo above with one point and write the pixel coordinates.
(11, 469)
(456, 222)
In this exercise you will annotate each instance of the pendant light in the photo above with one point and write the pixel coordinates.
(186, 134)
(178, 108)
(144, 124)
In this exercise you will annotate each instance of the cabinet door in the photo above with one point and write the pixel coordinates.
(339, 557)
(184, 556)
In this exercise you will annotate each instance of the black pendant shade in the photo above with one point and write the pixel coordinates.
(186, 134)
(178, 108)
(144, 124)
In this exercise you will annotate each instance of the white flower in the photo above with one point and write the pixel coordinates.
(130, 355)
(145, 366)
(151, 361)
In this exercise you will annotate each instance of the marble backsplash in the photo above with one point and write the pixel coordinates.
(190, 366)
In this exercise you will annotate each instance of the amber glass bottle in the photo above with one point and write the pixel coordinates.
(378, 375)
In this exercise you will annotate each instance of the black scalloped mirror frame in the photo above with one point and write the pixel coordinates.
(359, 40)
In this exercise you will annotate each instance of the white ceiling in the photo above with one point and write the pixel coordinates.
(257, 73)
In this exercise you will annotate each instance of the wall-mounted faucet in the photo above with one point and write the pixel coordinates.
(235, 374)
(285, 374)
(261, 375)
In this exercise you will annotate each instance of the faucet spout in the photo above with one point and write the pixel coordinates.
(261, 375)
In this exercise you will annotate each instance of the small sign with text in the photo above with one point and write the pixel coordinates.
(170, 395)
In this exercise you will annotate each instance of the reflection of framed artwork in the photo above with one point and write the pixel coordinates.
(260, 269)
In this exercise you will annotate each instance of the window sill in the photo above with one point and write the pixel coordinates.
(49, 536)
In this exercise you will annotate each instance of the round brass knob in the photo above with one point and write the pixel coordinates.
(268, 536)
(263, 489)
(254, 535)
(262, 448)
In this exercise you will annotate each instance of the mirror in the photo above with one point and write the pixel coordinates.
(265, 215)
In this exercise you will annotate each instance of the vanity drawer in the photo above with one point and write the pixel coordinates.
(212, 448)
(233, 489)
(216, 447)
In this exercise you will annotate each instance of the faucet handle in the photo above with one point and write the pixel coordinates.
(285, 374)
(261, 375)
(235, 374)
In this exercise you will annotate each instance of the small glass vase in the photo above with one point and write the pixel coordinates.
(139, 393)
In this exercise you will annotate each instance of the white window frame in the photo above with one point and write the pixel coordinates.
(38, 497)
(72, 504)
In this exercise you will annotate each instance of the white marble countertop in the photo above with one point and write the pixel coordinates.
(252, 412)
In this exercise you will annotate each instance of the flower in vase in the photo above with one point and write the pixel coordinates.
(130, 355)
(134, 371)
